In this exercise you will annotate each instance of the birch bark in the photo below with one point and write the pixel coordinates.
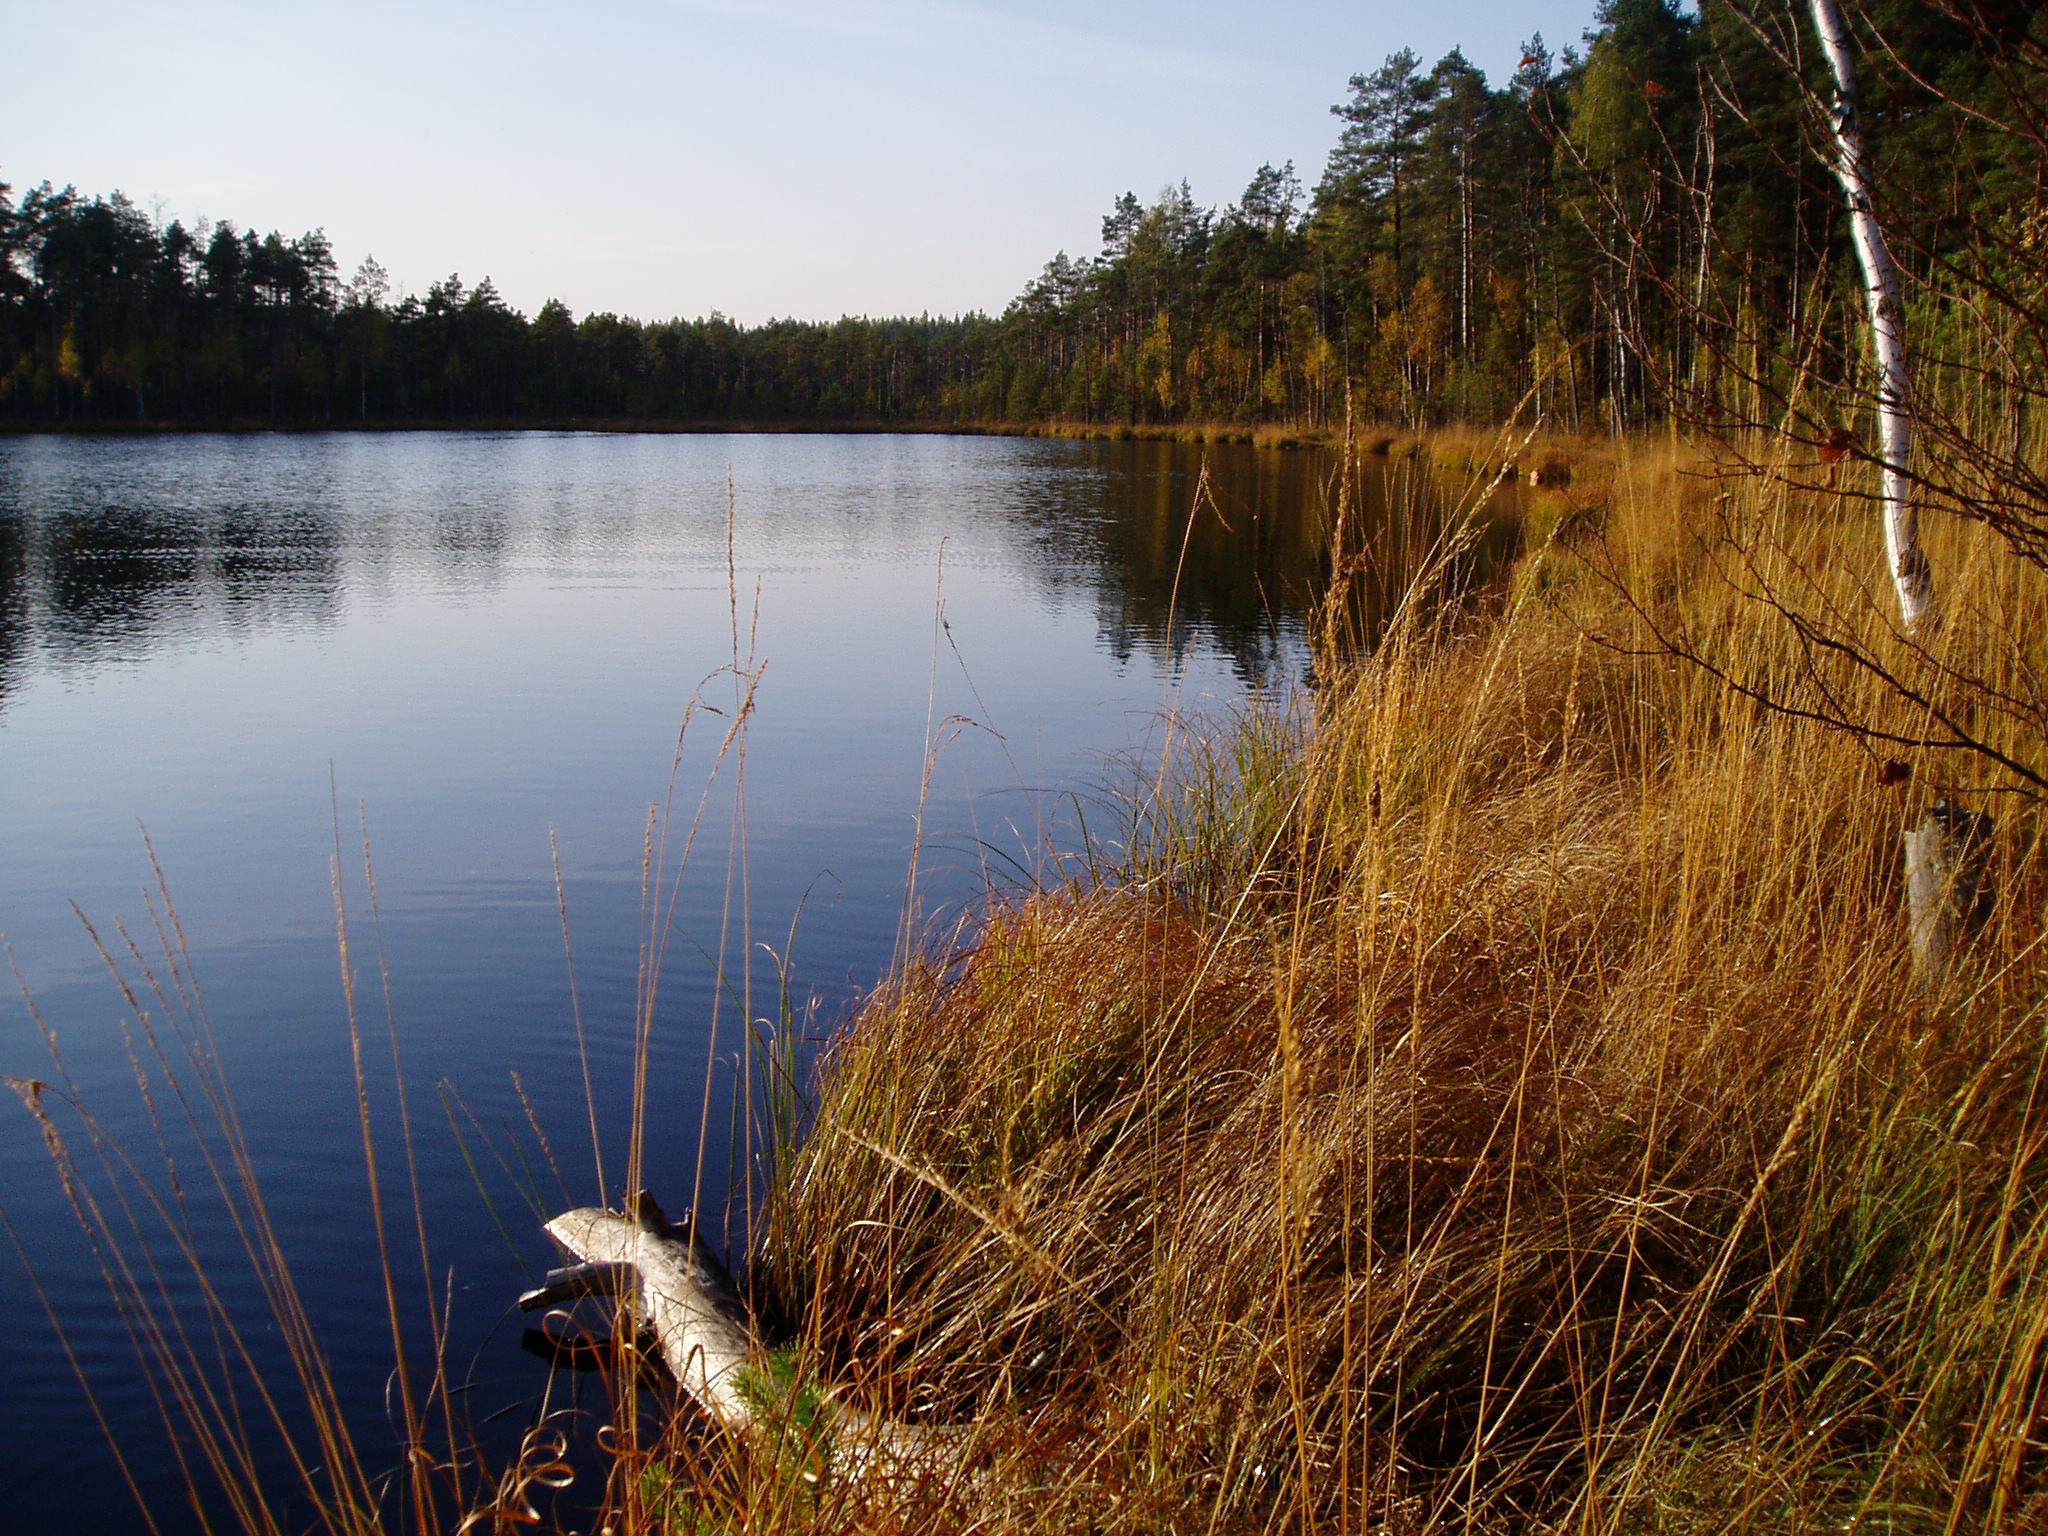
(1911, 578)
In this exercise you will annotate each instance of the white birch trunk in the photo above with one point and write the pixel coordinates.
(1910, 576)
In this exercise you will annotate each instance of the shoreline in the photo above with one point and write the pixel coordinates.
(1461, 445)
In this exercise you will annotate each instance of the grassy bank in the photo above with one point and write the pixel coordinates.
(1449, 445)
(1497, 1099)
(1478, 451)
(1267, 435)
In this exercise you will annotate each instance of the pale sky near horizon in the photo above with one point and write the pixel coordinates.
(807, 158)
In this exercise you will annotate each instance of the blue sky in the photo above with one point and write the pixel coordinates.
(655, 157)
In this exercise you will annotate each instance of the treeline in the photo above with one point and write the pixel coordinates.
(1644, 216)
(107, 317)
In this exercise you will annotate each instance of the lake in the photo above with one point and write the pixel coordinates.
(243, 678)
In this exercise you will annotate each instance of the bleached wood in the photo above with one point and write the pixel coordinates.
(577, 1281)
(703, 1336)
(1911, 578)
(706, 1340)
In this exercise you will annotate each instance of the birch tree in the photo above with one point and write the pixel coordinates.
(1911, 579)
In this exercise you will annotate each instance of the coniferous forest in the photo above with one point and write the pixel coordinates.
(1643, 217)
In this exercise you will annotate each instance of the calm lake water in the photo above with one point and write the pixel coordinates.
(463, 651)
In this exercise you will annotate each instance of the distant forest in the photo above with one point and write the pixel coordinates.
(1643, 214)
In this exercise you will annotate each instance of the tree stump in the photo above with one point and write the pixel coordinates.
(1948, 889)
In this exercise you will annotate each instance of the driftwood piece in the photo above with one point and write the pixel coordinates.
(1948, 892)
(689, 1304)
(577, 1281)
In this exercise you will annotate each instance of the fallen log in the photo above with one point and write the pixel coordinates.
(688, 1303)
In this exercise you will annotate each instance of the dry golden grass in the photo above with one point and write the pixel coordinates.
(1497, 1103)
(1267, 435)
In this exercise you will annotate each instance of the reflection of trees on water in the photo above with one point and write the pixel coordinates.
(1229, 547)
(89, 584)
(14, 631)
(102, 578)
(1231, 559)
(279, 565)
(93, 584)
(1171, 561)
(111, 582)
(1174, 547)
